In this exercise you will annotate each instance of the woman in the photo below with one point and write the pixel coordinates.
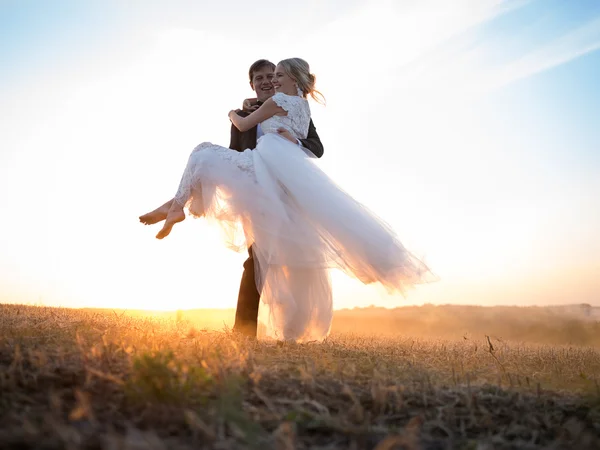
(298, 220)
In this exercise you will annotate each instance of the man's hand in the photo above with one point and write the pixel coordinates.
(250, 105)
(286, 134)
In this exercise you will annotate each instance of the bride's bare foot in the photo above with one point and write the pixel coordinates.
(158, 215)
(174, 216)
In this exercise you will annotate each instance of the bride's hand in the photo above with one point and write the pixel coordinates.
(286, 134)
(250, 105)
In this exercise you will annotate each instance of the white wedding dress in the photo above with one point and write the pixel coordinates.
(300, 223)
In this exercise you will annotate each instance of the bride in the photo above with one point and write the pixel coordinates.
(299, 222)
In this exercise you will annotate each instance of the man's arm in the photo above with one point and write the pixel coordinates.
(312, 141)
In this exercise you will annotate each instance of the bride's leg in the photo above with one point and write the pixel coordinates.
(188, 193)
(174, 216)
(173, 209)
(158, 215)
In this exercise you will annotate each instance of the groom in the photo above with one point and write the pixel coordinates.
(261, 76)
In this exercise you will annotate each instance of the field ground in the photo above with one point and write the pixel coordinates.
(433, 378)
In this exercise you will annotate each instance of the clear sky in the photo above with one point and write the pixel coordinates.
(471, 126)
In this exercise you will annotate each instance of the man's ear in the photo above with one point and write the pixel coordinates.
(252, 85)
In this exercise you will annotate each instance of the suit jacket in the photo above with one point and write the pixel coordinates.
(240, 141)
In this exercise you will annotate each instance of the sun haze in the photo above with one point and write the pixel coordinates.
(471, 129)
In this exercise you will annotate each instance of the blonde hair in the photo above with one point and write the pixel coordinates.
(299, 71)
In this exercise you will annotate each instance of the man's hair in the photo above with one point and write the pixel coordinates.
(259, 65)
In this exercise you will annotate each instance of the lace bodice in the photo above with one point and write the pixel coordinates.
(297, 119)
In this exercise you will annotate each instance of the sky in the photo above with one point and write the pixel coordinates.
(470, 126)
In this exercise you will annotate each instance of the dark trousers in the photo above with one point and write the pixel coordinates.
(246, 313)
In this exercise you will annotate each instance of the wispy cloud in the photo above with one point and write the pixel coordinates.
(398, 34)
(578, 42)
(483, 59)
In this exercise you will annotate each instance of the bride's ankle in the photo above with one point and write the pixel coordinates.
(175, 207)
(175, 213)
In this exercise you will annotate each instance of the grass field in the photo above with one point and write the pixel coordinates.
(432, 378)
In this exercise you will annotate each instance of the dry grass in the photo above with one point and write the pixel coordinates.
(101, 380)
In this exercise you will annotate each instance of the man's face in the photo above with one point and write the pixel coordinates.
(262, 83)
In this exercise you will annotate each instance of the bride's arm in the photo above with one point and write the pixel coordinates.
(266, 110)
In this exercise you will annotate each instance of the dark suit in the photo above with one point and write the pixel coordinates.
(246, 313)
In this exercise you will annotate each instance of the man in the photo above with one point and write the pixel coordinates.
(261, 76)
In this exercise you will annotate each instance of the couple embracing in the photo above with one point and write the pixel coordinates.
(269, 196)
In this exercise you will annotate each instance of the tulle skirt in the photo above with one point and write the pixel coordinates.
(300, 224)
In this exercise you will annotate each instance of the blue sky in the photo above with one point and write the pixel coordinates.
(470, 126)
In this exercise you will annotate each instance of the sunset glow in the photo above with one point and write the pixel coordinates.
(471, 129)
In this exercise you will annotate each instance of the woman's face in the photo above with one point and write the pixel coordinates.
(283, 82)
